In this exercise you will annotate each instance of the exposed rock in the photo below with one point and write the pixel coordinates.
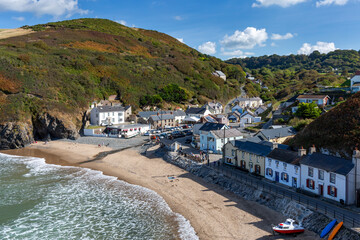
(47, 126)
(15, 135)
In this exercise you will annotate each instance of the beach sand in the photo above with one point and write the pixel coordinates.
(213, 212)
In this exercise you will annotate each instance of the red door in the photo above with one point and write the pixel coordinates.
(321, 190)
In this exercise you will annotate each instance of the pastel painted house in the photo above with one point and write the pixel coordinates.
(107, 115)
(207, 140)
(329, 176)
(214, 140)
(282, 165)
(320, 100)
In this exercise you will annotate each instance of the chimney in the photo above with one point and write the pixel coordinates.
(355, 156)
(312, 149)
(301, 152)
(274, 145)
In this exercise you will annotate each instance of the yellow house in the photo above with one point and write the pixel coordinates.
(249, 156)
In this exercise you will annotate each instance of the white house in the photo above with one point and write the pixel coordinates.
(282, 165)
(320, 100)
(249, 102)
(355, 82)
(328, 176)
(204, 133)
(214, 140)
(107, 115)
(249, 117)
(197, 112)
(214, 107)
(219, 74)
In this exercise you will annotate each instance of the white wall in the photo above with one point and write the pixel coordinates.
(96, 117)
(290, 169)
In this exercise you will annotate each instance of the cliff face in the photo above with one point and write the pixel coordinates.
(42, 127)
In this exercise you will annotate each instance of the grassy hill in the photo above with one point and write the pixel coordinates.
(286, 75)
(63, 66)
(337, 130)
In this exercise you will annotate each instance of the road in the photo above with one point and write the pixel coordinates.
(227, 108)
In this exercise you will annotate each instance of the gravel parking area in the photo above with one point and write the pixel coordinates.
(114, 143)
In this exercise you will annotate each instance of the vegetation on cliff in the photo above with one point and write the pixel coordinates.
(337, 130)
(63, 66)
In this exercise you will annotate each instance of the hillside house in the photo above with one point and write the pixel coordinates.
(234, 117)
(249, 117)
(107, 115)
(278, 135)
(214, 107)
(320, 100)
(282, 165)
(355, 82)
(162, 121)
(204, 132)
(260, 110)
(219, 74)
(214, 140)
(249, 102)
(329, 176)
(197, 112)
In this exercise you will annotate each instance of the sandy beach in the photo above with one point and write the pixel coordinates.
(213, 212)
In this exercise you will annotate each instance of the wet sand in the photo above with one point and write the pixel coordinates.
(213, 212)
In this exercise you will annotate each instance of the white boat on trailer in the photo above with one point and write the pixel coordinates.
(288, 227)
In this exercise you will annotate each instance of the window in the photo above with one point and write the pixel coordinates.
(269, 172)
(296, 169)
(243, 155)
(113, 114)
(257, 169)
(285, 177)
(97, 115)
(120, 119)
(321, 174)
(310, 184)
(284, 165)
(332, 177)
(269, 161)
(277, 164)
(332, 191)
(242, 164)
(232, 152)
(113, 119)
(257, 159)
(310, 172)
(120, 114)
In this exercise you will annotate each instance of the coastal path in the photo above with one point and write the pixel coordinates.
(350, 218)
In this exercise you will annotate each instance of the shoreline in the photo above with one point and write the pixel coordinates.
(213, 212)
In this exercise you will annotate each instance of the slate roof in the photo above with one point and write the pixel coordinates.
(220, 73)
(232, 132)
(312, 96)
(162, 117)
(195, 110)
(251, 147)
(148, 114)
(211, 126)
(278, 132)
(110, 108)
(284, 155)
(328, 163)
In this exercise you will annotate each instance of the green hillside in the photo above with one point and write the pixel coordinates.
(63, 66)
(337, 130)
(287, 75)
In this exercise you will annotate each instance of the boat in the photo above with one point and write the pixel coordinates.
(288, 227)
(335, 230)
(327, 229)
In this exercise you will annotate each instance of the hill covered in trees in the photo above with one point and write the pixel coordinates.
(337, 130)
(50, 76)
(286, 75)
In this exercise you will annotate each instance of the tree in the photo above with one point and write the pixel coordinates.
(308, 110)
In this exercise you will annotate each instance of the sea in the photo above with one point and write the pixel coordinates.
(46, 201)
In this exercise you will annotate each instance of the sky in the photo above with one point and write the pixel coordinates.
(221, 28)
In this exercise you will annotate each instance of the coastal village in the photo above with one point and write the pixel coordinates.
(240, 140)
(112, 131)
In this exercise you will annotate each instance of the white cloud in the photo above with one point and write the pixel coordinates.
(281, 3)
(42, 7)
(276, 36)
(329, 2)
(246, 39)
(178, 18)
(180, 40)
(20, 19)
(122, 22)
(236, 53)
(208, 48)
(322, 47)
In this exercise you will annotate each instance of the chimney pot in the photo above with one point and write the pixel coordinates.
(312, 149)
(301, 152)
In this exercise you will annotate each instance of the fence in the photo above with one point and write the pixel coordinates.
(350, 219)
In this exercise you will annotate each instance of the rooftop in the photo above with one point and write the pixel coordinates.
(252, 147)
(110, 108)
(328, 163)
(211, 126)
(232, 132)
(276, 133)
(162, 117)
(312, 96)
(148, 114)
(195, 110)
(285, 155)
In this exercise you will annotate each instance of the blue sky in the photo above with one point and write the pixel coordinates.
(225, 29)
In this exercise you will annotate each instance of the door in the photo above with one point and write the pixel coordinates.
(277, 176)
(321, 190)
(294, 182)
